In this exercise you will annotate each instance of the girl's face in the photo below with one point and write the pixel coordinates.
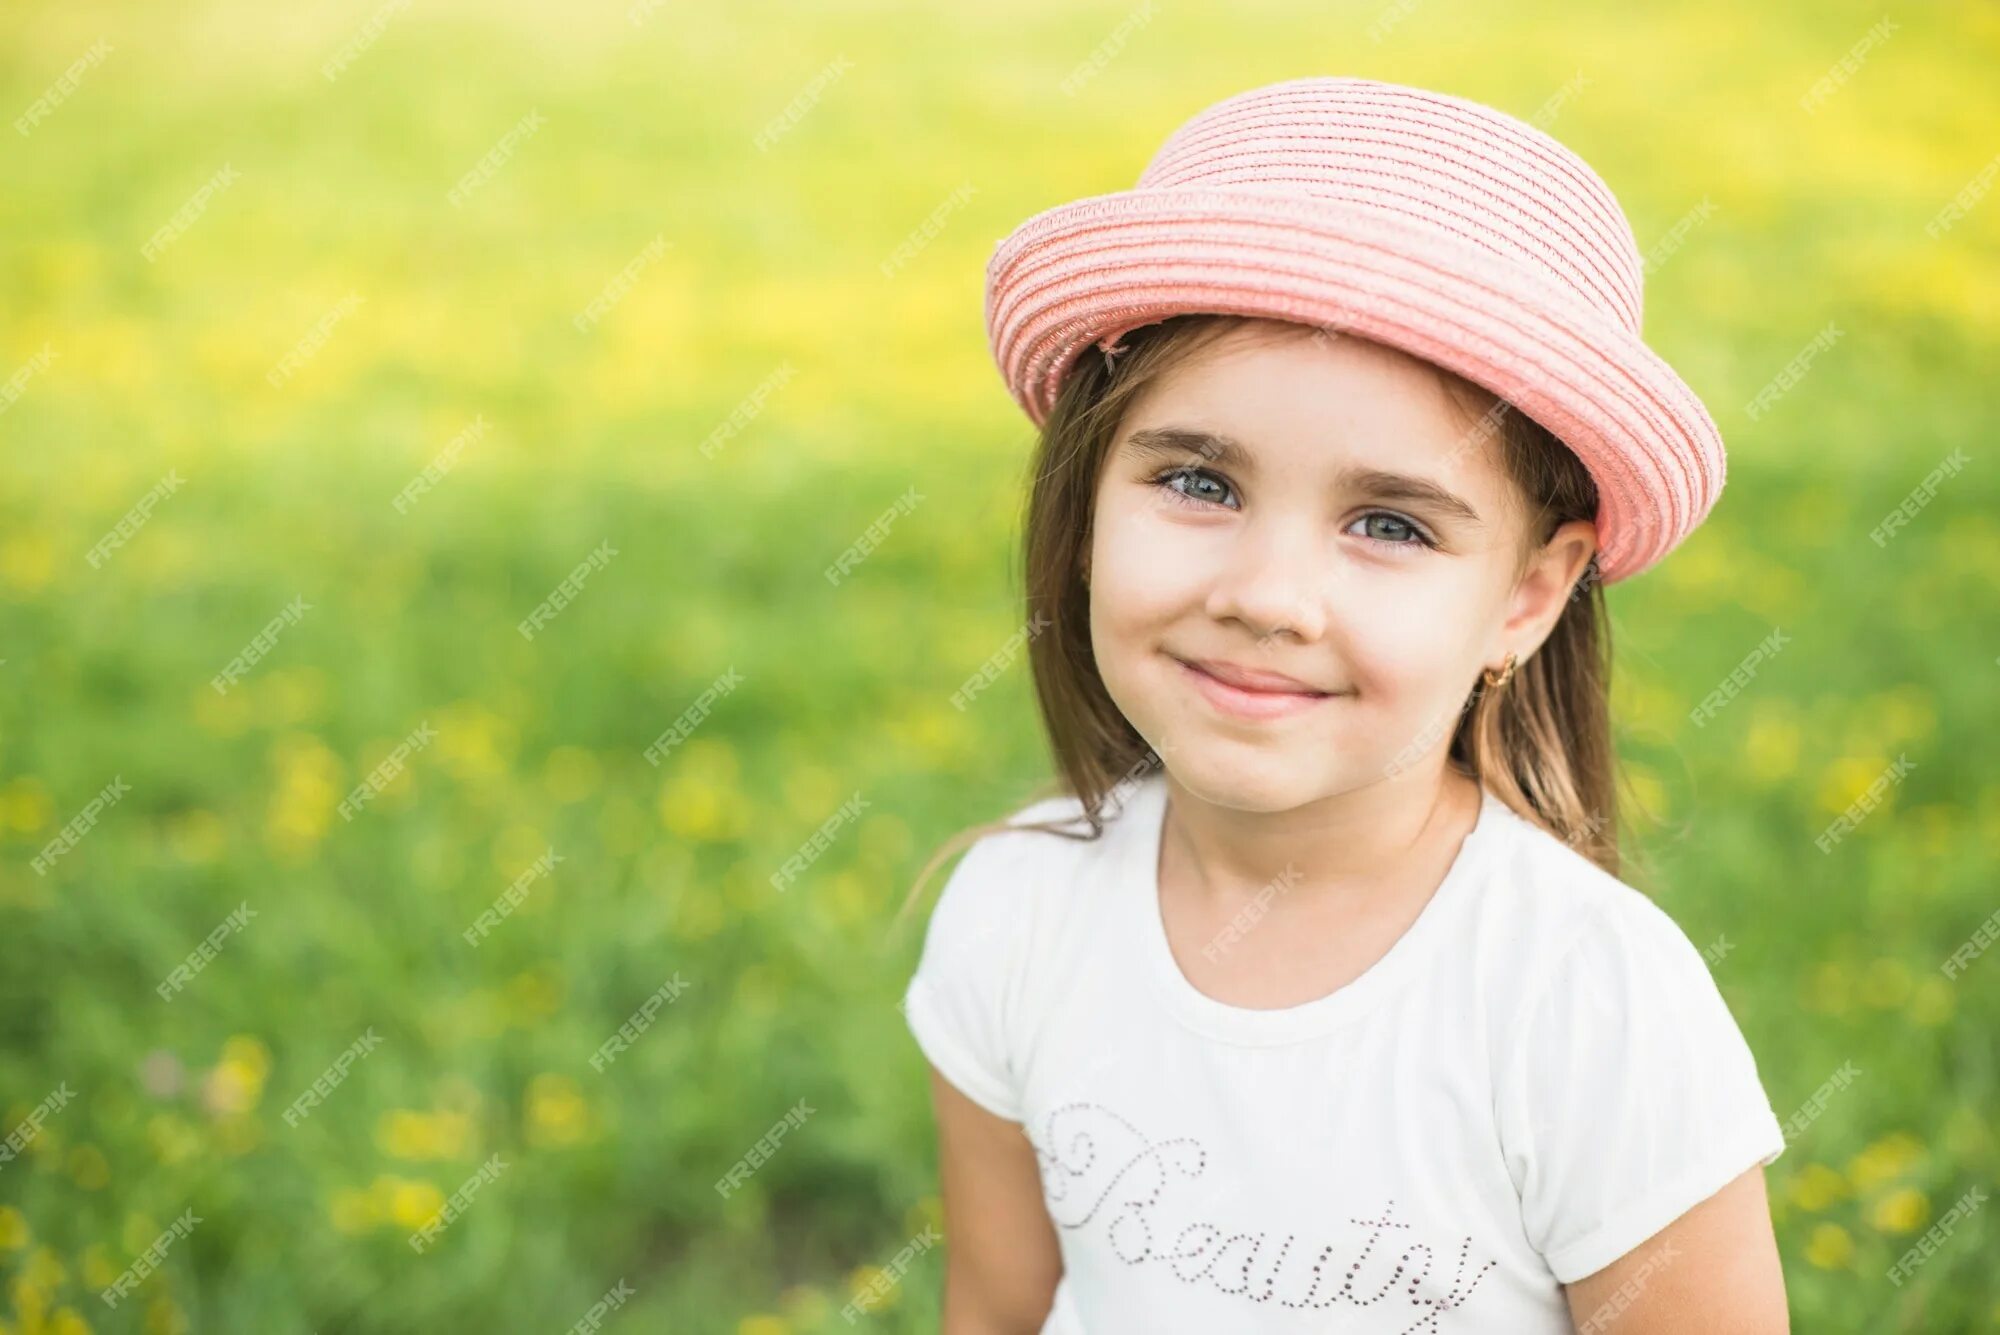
(1281, 503)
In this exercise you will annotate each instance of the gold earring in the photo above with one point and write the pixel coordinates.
(1493, 682)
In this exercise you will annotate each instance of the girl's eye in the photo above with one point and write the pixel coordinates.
(1396, 527)
(1167, 483)
(1183, 486)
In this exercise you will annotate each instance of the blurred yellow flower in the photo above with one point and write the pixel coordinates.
(1932, 1001)
(221, 715)
(533, 993)
(24, 805)
(13, 1229)
(1815, 1187)
(164, 1318)
(26, 559)
(557, 1113)
(1829, 1247)
(1649, 794)
(871, 1289)
(1901, 1211)
(237, 1082)
(409, 1134)
(172, 1139)
(408, 1203)
(88, 1167)
(196, 836)
(1829, 988)
(1887, 983)
(65, 1321)
(304, 794)
(1848, 778)
(1771, 746)
(98, 1272)
(570, 774)
(353, 1210)
(43, 1269)
(763, 1324)
(1883, 1160)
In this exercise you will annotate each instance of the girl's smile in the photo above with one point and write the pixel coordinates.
(1241, 700)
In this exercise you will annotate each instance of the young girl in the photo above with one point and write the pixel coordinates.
(1314, 1000)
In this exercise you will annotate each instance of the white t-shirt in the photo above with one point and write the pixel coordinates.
(1537, 1077)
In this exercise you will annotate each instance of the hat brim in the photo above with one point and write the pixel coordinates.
(1093, 269)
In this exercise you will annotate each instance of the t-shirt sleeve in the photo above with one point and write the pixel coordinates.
(961, 999)
(1630, 1094)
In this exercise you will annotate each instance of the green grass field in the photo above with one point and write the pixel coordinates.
(331, 321)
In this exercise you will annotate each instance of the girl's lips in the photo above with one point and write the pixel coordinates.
(1240, 703)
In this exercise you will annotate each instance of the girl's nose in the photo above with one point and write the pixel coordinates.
(1274, 582)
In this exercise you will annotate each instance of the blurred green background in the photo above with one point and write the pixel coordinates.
(774, 379)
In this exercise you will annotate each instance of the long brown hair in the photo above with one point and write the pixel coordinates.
(1541, 743)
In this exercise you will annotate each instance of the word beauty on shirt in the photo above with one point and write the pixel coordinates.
(1096, 1165)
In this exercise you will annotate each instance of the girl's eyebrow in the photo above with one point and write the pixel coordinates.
(1180, 443)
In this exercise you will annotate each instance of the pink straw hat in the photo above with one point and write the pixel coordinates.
(1428, 222)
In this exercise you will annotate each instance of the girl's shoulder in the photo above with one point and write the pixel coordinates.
(1555, 913)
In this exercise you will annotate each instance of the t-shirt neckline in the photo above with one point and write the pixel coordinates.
(1310, 1019)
